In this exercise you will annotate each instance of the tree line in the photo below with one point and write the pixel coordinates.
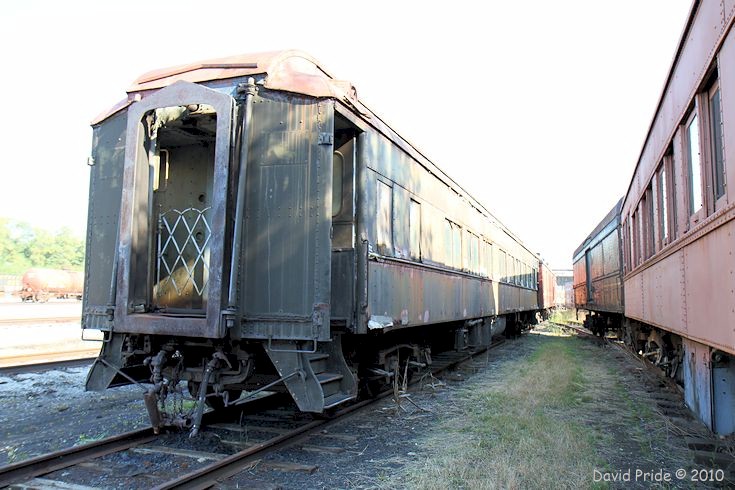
(23, 246)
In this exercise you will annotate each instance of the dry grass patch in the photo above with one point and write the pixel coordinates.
(516, 429)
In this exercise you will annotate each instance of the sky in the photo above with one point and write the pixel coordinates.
(539, 109)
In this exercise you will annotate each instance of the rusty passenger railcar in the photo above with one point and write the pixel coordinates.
(547, 293)
(598, 275)
(253, 225)
(678, 221)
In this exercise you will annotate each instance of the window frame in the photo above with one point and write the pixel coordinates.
(414, 230)
(695, 215)
(717, 202)
(384, 248)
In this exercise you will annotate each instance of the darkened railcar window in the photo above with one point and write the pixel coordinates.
(384, 219)
(694, 165)
(671, 188)
(717, 139)
(650, 227)
(337, 172)
(663, 204)
(414, 230)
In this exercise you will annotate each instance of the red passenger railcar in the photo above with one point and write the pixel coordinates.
(678, 221)
(546, 289)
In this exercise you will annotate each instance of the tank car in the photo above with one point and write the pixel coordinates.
(677, 221)
(254, 226)
(42, 284)
(598, 275)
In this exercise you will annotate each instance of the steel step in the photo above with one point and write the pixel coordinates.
(336, 399)
(324, 378)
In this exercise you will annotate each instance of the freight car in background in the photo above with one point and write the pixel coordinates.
(677, 222)
(253, 225)
(598, 275)
(42, 284)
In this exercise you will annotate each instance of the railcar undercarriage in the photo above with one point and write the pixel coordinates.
(181, 375)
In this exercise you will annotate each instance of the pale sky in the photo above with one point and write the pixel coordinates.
(538, 108)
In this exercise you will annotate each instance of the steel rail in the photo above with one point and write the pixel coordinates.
(57, 460)
(46, 365)
(214, 473)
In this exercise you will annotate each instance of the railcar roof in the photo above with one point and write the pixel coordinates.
(614, 213)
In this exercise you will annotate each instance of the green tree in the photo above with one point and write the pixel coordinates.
(23, 246)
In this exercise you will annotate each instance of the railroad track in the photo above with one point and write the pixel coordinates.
(707, 449)
(283, 426)
(37, 321)
(12, 369)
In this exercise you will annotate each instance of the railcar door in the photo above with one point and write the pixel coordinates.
(287, 244)
(172, 226)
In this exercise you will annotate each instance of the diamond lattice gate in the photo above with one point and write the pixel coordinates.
(182, 271)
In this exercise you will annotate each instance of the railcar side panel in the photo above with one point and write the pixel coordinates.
(580, 282)
(528, 299)
(448, 268)
(409, 295)
(698, 380)
(709, 279)
(105, 189)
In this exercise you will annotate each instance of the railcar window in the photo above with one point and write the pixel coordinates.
(414, 230)
(484, 247)
(384, 219)
(474, 244)
(456, 246)
(502, 265)
(489, 259)
(671, 188)
(631, 234)
(453, 240)
(650, 227)
(509, 273)
(663, 203)
(694, 165)
(717, 133)
(337, 172)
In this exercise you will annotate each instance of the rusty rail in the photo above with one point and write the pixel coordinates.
(46, 365)
(57, 460)
(210, 475)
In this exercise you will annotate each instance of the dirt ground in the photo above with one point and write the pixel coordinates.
(387, 446)
(48, 411)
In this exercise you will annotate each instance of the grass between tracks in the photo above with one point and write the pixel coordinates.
(517, 429)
